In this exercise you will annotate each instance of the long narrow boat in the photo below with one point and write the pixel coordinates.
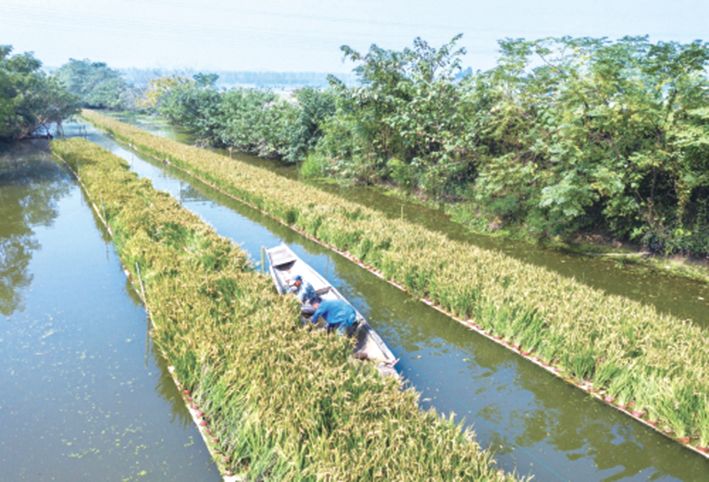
(284, 265)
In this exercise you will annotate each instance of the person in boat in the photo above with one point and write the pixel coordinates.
(305, 292)
(338, 315)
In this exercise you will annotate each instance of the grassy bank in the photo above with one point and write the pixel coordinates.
(283, 402)
(624, 351)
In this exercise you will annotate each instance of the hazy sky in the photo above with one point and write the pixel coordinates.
(299, 35)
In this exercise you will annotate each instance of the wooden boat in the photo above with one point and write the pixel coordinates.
(284, 265)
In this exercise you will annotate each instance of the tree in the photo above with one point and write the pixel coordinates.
(563, 136)
(258, 121)
(156, 91)
(404, 120)
(314, 107)
(250, 120)
(29, 99)
(97, 85)
(578, 134)
(195, 105)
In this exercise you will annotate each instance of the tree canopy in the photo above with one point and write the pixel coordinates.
(577, 133)
(96, 85)
(563, 136)
(251, 120)
(29, 98)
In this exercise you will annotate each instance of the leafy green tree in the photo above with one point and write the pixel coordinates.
(314, 108)
(97, 85)
(248, 116)
(405, 117)
(29, 99)
(563, 136)
(156, 92)
(251, 120)
(195, 105)
(579, 134)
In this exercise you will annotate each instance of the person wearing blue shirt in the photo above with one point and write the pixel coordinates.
(337, 314)
(302, 289)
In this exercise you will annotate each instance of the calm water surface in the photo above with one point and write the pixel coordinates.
(85, 397)
(536, 424)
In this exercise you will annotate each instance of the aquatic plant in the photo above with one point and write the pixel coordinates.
(580, 330)
(281, 402)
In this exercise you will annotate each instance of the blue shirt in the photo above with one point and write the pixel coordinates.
(305, 292)
(335, 313)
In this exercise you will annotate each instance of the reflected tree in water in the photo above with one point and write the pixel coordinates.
(30, 185)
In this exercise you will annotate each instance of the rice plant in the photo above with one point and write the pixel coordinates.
(497, 291)
(283, 402)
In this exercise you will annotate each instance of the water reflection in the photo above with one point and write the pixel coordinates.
(29, 189)
(166, 386)
(84, 394)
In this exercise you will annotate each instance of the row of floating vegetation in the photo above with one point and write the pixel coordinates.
(651, 365)
(282, 402)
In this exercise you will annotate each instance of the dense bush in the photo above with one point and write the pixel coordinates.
(577, 134)
(257, 121)
(250, 120)
(194, 104)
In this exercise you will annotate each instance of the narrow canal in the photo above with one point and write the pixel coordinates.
(84, 394)
(535, 423)
(679, 296)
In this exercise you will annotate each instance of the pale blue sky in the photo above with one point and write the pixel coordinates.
(300, 35)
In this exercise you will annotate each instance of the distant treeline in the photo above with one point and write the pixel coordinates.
(563, 136)
(226, 78)
(266, 123)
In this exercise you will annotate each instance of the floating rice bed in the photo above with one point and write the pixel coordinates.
(272, 400)
(652, 366)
